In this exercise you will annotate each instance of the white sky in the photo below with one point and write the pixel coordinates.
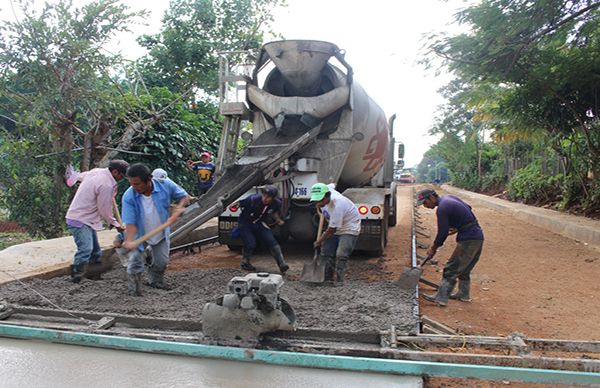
(382, 39)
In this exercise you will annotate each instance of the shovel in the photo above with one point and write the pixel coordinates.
(124, 252)
(314, 272)
(410, 276)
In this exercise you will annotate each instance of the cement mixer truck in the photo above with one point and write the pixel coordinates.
(295, 88)
(310, 122)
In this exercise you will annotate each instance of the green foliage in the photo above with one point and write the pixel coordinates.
(531, 185)
(527, 71)
(184, 55)
(28, 193)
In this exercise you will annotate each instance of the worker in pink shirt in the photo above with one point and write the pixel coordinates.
(93, 203)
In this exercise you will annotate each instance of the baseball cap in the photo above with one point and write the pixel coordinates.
(270, 191)
(422, 195)
(159, 174)
(318, 191)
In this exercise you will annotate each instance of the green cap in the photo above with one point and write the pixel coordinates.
(318, 191)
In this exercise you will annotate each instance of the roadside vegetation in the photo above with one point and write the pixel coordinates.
(66, 99)
(521, 117)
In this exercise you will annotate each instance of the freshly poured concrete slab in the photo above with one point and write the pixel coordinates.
(49, 258)
(26, 363)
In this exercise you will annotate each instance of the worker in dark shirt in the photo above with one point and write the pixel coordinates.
(454, 216)
(259, 213)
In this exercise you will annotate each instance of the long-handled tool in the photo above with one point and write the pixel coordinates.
(410, 276)
(117, 213)
(123, 252)
(314, 272)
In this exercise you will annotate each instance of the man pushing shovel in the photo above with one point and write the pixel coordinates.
(453, 213)
(146, 217)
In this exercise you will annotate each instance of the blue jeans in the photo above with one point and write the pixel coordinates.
(88, 248)
(249, 233)
(335, 252)
(160, 258)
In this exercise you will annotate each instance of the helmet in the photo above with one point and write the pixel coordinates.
(270, 191)
(318, 191)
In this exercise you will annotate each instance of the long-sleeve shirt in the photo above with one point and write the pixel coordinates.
(163, 193)
(93, 201)
(255, 211)
(452, 212)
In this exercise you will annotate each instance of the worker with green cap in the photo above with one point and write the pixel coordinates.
(338, 241)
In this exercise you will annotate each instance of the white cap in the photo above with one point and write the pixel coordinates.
(159, 174)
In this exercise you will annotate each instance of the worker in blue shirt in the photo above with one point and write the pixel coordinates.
(146, 207)
(205, 171)
(454, 216)
(259, 213)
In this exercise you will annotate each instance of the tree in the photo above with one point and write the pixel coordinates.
(185, 54)
(54, 79)
(531, 68)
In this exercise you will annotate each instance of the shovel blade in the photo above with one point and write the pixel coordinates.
(410, 278)
(313, 272)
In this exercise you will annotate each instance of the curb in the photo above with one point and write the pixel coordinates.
(579, 228)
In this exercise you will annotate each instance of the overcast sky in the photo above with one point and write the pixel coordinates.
(382, 40)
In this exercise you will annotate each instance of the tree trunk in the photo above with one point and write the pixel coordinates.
(126, 141)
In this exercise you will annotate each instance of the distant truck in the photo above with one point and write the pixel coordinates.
(407, 177)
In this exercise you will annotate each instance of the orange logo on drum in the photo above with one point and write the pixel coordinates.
(377, 146)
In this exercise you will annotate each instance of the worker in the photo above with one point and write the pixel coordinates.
(160, 175)
(260, 212)
(205, 171)
(338, 241)
(93, 203)
(454, 216)
(146, 207)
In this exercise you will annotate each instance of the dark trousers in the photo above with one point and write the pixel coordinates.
(463, 259)
(250, 233)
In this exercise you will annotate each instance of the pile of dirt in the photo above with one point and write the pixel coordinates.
(355, 306)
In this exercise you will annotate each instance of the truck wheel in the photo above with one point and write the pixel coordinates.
(393, 214)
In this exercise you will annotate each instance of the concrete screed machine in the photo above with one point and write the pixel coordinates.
(311, 122)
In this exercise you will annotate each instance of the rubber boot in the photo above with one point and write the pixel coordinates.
(156, 279)
(278, 255)
(245, 264)
(340, 273)
(77, 272)
(134, 284)
(464, 291)
(441, 297)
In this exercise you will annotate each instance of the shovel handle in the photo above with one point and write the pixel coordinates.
(319, 232)
(117, 213)
(151, 233)
(429, 257)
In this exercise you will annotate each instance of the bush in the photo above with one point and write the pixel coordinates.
(29, 193)
(531, 185)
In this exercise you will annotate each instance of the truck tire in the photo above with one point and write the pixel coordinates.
(393, 214)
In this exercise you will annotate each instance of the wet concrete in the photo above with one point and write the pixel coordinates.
(38, 364)
(356, 306)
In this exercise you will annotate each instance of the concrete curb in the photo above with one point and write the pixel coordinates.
(579, 228)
